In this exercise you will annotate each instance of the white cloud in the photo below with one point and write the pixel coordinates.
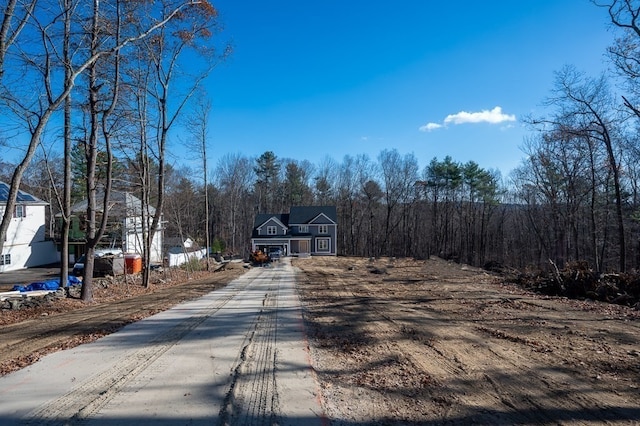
(494, 116)
(429, 127)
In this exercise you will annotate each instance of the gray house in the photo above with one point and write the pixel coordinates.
(305, 230)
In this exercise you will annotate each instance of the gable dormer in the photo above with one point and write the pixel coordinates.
(271, 226)
(322, 219)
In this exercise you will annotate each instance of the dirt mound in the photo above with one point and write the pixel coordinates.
(578, 281)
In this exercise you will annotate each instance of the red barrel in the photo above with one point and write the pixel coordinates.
(133, 263)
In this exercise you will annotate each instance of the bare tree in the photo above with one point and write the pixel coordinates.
(399, 175)
(585, 108)
(198, 126)
(625, 53)
(324, 184)
(234, 175)
(38, 61)
(65, 200)
(346, 190)
(190, 33)
(100, 109)
(15, 16)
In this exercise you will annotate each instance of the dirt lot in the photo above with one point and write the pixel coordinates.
(430, 342)
(407, 342)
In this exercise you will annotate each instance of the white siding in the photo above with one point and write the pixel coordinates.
(133, 239)
(26, 241)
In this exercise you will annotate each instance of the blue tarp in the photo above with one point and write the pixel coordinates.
(47, 285)
(73, 280)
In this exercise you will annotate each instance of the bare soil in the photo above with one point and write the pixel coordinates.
(401, 341)
(431, 342)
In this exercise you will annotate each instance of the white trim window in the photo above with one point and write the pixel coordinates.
(323, 229)
(303, 228)
(323, 245)
(20, 211)
(272, 230)
(5, 259)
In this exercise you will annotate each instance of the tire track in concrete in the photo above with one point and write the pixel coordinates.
(253, 397)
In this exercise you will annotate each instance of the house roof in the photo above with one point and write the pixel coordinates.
(23, 197)
(301, 215)
(261, 218)
(122, 204)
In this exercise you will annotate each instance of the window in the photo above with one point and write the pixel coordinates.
(20, 211)
(5, 259)
(272, 230)
(323, 244)
(323, 229)
(303, 228)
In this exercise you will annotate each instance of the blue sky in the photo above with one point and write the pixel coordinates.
(309, 80)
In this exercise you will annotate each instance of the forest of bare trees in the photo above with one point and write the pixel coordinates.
(91, 91)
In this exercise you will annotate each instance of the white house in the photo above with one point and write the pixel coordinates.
(124, 226)
(25, 245)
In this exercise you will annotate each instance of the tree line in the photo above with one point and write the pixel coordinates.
(98, 86)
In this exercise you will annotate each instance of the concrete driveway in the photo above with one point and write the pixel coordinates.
(235, 356)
